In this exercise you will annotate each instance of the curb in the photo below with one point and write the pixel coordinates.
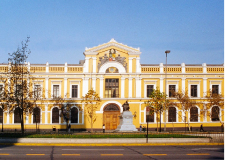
(108, 144)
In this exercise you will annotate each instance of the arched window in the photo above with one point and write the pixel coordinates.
(215, 113)
(151, 116)
(172, 114)
(74, 115)
(1, 115)
(194, 114)
(36, 115)
(17, 115)
(55, 115)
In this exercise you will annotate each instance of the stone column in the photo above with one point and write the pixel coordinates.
(161, 68)
(204, 87)
(47, 67)
(204, 68)
(85, 85)
(46, 114)
(183, 68)
(130, 87)
(94, 83)
(46, 87)
(130, 64)
(161, 85)
(65, 88)
(65, 68)
(183, 85)
(86, 65)
(138, 66)
(138, 87)
(94, 64)
(122, 87)
(101, 86)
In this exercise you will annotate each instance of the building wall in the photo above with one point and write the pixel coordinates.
(133, 80)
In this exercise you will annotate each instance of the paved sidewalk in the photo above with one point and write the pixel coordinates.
(105, 141)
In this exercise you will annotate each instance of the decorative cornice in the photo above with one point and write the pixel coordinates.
(112, 42)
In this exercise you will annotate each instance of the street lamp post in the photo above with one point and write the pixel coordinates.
(167, 52)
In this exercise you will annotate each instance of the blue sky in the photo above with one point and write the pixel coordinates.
(60, 30)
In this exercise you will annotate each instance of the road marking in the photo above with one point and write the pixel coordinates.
(197, 154)
(70, 154)
(155, 154)
(35, 154)
(95, 149)
(111, 154)
(4, 154)
(206, 148)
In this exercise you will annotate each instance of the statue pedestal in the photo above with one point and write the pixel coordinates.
(126, 122)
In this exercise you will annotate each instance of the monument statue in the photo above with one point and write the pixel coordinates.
(126, 106)
(126, 120)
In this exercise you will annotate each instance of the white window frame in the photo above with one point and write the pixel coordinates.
(57, 83)
(78, 88)
(167, 115)
(77, 115)
(189, 114)
(149, 82)
(170, 82)
(59, 114)
(192, 82)
(219, 114)
(212, 82)
(155, 116)
(32, 117)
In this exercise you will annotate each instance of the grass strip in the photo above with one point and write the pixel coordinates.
(98, 135)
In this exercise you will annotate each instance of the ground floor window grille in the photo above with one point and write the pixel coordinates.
(55, 115)
(74, 115)
(194, 114)
(17, 115)
(172, 114)
(36, 115)
(215, 113)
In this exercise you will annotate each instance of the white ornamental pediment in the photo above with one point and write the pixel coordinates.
(112, 43)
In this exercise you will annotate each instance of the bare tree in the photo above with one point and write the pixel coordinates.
(215, 102)
(16, 94)
(156, 102)
(65, 108)
(91, 101)
(185, 104)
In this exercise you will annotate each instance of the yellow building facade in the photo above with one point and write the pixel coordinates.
(114, 71)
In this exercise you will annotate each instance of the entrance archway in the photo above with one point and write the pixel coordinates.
(111, 116)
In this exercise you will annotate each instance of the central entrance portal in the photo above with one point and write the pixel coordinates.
(111, 116)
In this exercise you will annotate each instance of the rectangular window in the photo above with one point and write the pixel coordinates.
(149, 90)
(194, 90)
(74, 91)
(215, 89)
(55, 90)
(37, 91)
(111, 88)
(172, 90)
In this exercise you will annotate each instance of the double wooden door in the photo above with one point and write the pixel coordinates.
(111, 119)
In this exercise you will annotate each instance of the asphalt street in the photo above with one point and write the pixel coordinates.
(113, 152)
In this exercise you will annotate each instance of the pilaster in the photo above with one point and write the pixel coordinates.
(130, 87)
(101, 86)
(46, 87)
(122, 87)
(130, 64)
(94, 64)
(65, 88)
